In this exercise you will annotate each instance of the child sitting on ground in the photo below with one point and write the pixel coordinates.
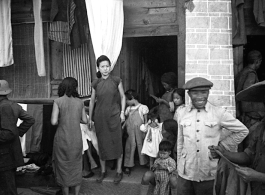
(153, 130)
(163, 166)
(137, 115)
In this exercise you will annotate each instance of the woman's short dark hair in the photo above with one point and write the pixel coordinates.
(131, 94)
(154, 113)
(69, 87)
(100, 59)
(165, 146)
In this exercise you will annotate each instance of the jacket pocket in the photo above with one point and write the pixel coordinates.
(5, 157)
(211, 128)
(182, 162)
(187, 127)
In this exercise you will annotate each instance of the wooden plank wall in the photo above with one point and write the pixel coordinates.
(150, 18)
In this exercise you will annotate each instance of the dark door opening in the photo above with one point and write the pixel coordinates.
(143, 60)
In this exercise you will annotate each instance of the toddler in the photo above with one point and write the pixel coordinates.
(163, 166)
(136, 116)
(153, 130)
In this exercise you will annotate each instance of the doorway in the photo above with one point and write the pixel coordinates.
(142, 62)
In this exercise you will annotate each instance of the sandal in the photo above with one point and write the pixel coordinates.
(101, 177)
(118, 177)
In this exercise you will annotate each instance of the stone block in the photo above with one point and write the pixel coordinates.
(196, 38)
(219, 70)
(222, 85)
(197, 22)
(219, 22)
(197, 54)
(219, 54)
(200, 7)
(218, 7)
(218, 39)
(196, 68)
(220, 100)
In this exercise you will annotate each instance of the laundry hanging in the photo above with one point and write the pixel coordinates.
(6, 47)
(259, 12)
(38, 38)
(106, 20)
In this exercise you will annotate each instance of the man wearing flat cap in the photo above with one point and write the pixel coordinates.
(11, 155)
(200, 125)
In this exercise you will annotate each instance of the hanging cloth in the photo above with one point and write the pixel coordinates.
(38, 38)
(259, 12)
(6, 47)
(238, 23)
(106, 20)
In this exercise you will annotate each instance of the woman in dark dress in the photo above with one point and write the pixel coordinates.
(108, 91)
(68, 111)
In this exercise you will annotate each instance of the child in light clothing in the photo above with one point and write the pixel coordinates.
(136, 116)
(153, 130)
(163, 166)
(178, 97)
(88, 135)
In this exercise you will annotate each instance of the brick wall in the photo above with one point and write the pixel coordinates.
(209, 48)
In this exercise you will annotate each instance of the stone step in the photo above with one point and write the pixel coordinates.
(130, 185)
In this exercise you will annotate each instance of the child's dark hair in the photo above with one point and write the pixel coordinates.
(180, 92)
(165, 146)
(69, 87)
(153, 114)
(170, 78)
(99, 60)
(171, 126)
(131, 94)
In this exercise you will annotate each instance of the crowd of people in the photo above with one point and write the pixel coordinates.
(189, 149)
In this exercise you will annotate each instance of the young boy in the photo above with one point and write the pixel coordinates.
(163, 166)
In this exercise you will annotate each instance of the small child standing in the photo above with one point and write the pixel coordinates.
(163, 166)
(136, 116)
(153, 136)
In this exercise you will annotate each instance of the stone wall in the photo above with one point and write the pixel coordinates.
(209, 52)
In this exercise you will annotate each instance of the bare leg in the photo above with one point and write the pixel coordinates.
(91, 159)
(77, 189)
(65, 190)
(103, 165)
(119, 164)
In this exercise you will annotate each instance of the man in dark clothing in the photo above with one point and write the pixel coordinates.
(250, 113)
(254, 154)
(10, 147)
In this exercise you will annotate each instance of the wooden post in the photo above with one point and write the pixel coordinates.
(181, 18)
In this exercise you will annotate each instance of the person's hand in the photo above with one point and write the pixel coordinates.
(158, 100)
(213, 152)
(90, 123)
(247, 174)
(122, 116)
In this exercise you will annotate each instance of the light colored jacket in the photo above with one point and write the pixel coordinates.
(198, 129)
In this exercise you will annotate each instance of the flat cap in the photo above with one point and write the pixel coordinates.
(198, 83)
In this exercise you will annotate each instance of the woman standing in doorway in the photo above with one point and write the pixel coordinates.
(108, 91)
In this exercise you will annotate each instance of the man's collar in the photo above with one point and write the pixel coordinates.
(207, 107)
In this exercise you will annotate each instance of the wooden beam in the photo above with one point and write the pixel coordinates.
(149, 3)
(151, 30)
(148, 16)
(181, 18)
